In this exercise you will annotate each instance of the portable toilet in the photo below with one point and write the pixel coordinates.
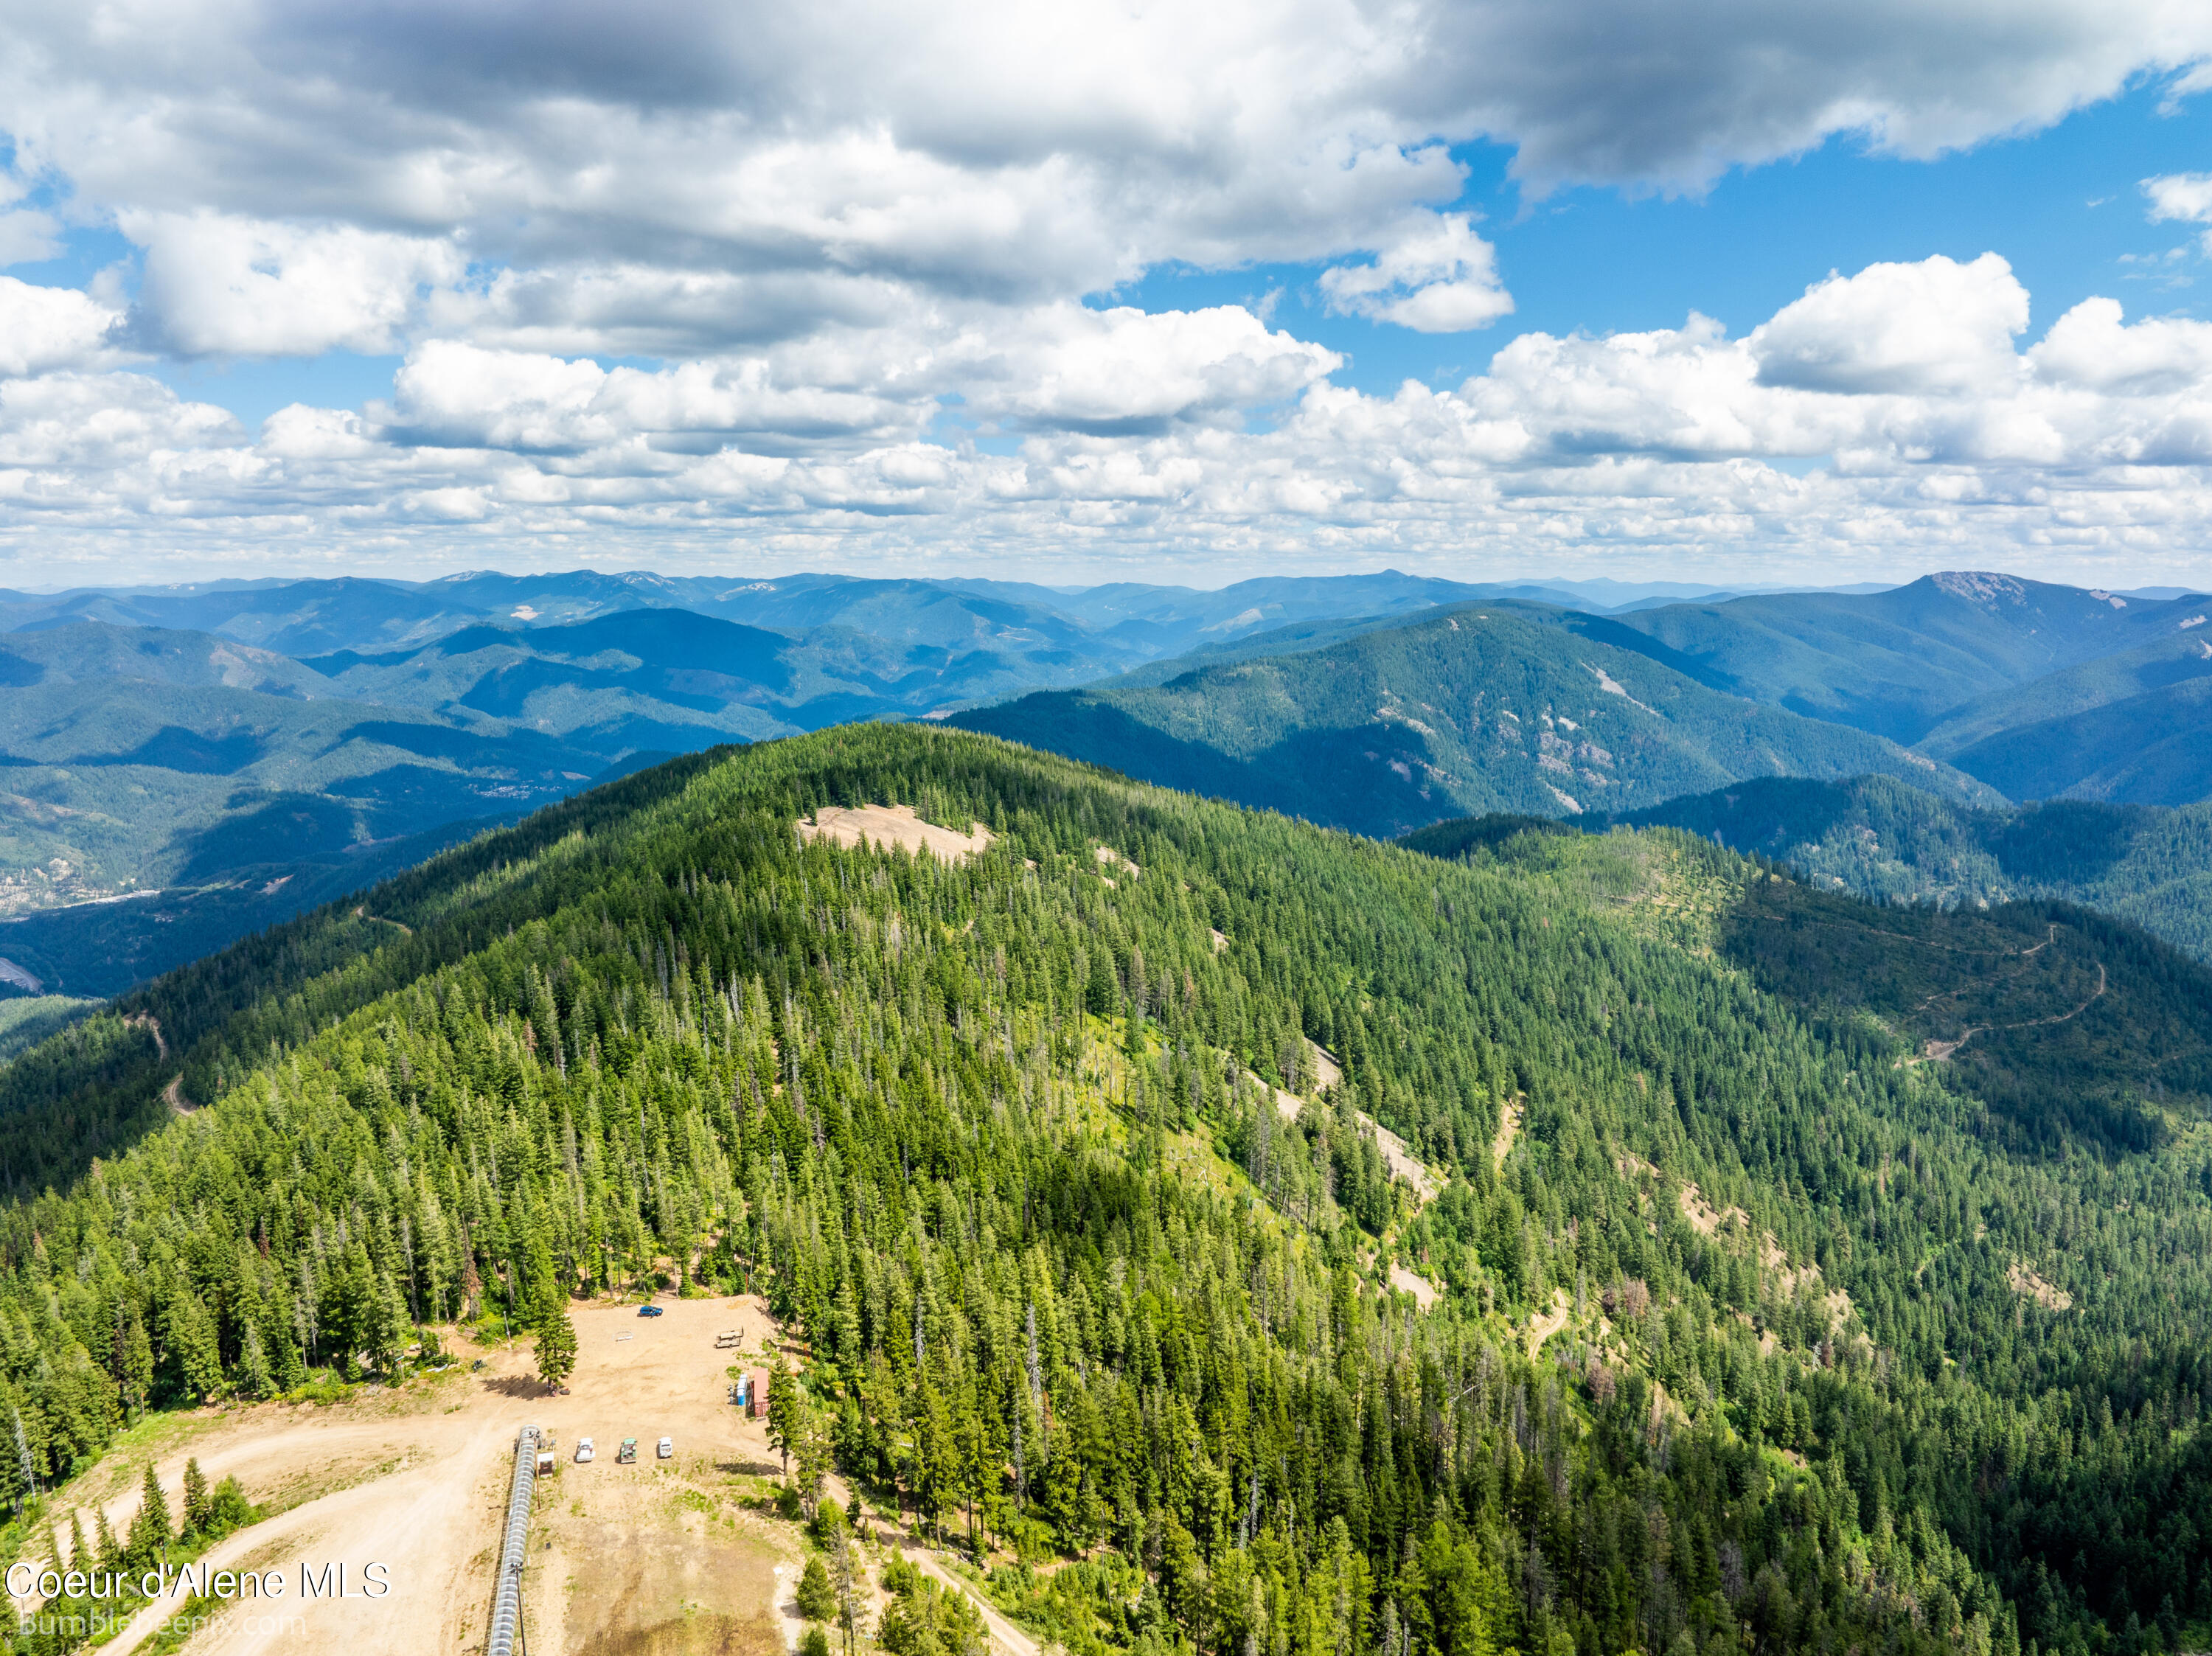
(757, 1394)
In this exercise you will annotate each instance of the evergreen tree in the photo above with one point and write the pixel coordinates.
(199, 1511)
(817, 1602)
(557, 1346)
(785, 1402)
(250, 1378)
(149, 1532)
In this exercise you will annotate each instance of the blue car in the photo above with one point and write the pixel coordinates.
(648, 1311)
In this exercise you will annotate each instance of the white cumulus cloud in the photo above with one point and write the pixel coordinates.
(47, 328)
(215, 284)
(2186, 196)
(1937, 326)
(1436, 276)
(791, 279)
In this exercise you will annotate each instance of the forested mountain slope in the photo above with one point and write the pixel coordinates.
(2172, 657)
(1753, 1336)
(1896, 663)
(1877, 838)
(2155, 749)
(1486, 707)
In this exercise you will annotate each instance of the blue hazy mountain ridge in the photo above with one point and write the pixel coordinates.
(2130, 726)
(111, 783)
(1106, 629)
(100, 653)
(649, 676)
(2181, 651)
(1895, 663)
(2155, 749)
(1485, 707)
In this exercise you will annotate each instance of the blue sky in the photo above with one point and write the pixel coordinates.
(2063, 206)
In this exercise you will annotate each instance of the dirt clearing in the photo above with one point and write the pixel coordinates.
(654, 1559)
(894, 825)
(2045, 1293)
(1423, 1290)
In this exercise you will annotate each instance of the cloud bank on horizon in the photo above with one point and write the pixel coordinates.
(837, 285)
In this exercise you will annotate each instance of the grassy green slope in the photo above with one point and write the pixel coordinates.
(1485, 708)
(651, 1023)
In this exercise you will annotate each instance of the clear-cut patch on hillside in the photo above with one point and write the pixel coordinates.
(2028, 1284)
(1423, 1290)
(883, 826)
(1107, 857)
(1397, 1155)
(1509, 1129)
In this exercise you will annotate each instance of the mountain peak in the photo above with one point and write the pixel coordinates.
(1981, 586)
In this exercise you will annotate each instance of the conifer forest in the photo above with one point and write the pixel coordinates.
(1247, 1238)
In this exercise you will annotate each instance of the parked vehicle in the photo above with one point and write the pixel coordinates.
(627, 1455)
(583, 1449)
(648, 1311)
(667, 1449)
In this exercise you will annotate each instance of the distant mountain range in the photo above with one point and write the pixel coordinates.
(1485, 707)
(1096, 630)
(2034, 691)
(243, 747)
(1896, 663)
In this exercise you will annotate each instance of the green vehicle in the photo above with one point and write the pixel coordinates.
(627, 1455)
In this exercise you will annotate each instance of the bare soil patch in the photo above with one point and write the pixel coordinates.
(2045, 1293)
(1327, 1073)
(1403, 1163)
(1706, 1219)
(883, 825)
(1423, 1290)
(1397, 1156)
(1509, 1129)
